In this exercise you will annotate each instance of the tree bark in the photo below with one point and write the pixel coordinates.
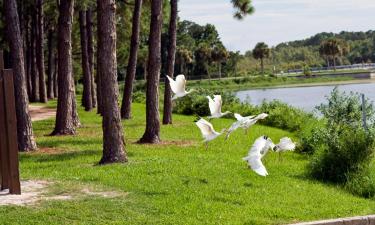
(113, 137)
(86, 98)
(50, 79)
(152, 133)
(167, 113)
(55, 75)
(28, 58)
(132, 63)
(25, 134)
(262, 65)
(40, 52)
(64, 116)
(34, 68)
(90, 49)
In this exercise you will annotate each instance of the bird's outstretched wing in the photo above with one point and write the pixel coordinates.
(286, 144)
(219, 102)
(261, 116)
(255, 163)
(238, 117)
(181, 82)
(205, 127)
(232, 128)
(212, 105)
(173, 84)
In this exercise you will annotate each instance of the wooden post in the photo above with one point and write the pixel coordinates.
(4, 166)
(11, 131)
(364, 119)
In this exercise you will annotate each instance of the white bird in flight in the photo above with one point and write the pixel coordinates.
(237, 124)
(215, 107)
(285, 144)
(207, 130)
(257, 152)
(246, 124)
(178, 86)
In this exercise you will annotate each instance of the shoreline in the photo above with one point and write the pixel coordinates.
(313, 84)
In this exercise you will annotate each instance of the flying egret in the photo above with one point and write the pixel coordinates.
(178, 86)
(215, 107)
(257, 152)
(237, 124)
(285, 144)
(207, 130)
(251, 121)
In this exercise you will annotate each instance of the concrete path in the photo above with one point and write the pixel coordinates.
(358, 220)
(38, 113)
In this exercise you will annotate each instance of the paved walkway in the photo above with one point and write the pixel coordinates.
(358, 220)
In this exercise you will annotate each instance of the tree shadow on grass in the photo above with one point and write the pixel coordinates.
(66, 156)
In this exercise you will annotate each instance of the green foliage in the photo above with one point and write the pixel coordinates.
(342, 148)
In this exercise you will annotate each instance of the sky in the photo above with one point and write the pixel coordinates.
(276, 21)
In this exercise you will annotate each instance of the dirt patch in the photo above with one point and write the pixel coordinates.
(170, 143)
(35, 191)
(49, 151)
(38, 113)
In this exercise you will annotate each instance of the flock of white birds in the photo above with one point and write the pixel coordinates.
(261, 145)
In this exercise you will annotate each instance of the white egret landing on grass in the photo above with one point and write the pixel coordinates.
(215, 107)
(207, 130)
(257, 152)
(178, 86)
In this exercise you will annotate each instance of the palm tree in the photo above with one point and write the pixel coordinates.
(219, 55)
(132, 63)
(113, 137)
(332, 49)
(25, 134)
(152, 133)
(243, 8)
(172, 33)
(261, 51)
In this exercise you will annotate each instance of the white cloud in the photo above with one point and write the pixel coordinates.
(276, 21)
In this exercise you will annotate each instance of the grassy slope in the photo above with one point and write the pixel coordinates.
(172, 184)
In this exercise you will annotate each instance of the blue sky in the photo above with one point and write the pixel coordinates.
(276, 21)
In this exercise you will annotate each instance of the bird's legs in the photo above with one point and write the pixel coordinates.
(206, 143)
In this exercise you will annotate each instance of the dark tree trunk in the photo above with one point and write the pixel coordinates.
(113, 137)
(50, 79)
(55, 75)
(86, 98)
(64, 115)
(132, 63)
(28, 59)
(262, 65)
(90, 49)
(98, 87)
(152, 132)
(40, 52)
(34, 68)
(25, 134)
(167, 114)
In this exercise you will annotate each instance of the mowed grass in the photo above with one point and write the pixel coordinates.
(176, 182)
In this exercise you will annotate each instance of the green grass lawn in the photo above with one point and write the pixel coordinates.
(176, 182)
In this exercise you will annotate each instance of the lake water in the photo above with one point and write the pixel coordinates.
(305, 98)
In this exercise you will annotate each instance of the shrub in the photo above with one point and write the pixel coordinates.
(343, 149)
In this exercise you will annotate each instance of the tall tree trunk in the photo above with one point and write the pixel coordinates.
(90, 49)
(50, 93)
(28, 58)
(262, 65)
(55, 75)
(132, 63)
(64, 116)
(40, 52)
(34, 68)
(98, 87)
(334, 63)
(172, 32)
(25, 134)
(152, 133)
(86, 98)
(113, 137)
